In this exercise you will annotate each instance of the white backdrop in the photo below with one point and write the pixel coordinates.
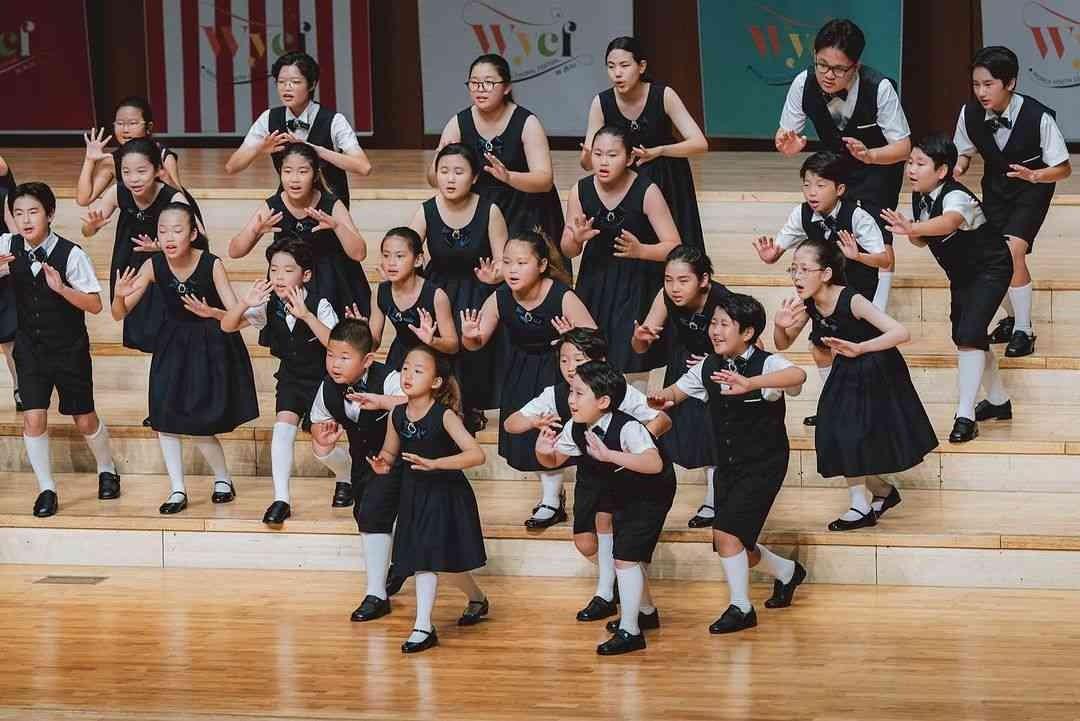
(555, 50)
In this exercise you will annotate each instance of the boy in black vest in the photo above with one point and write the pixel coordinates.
(355, 400)
(295, 323)
(1025, 155)
(744, 388)
(617, 449)
(55, 287)
(301, 119)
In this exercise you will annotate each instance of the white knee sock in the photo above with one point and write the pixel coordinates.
(211, 450)
(1021, 301)
(466, 583)
(9, 355)
(339, 463)
(881, 295)
(710, 494)
(99, 446)
(823, 373)
(37, 448)
(737, 570)
(281, 458)
(172, 451)
(631, 587)
(782, 569)
(427, 585)
(605, 561)
(376, 561)
(970, 365)
(647, 606)
(857, 498)
(551, 489)
(991, 380)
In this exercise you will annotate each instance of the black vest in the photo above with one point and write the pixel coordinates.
(298, 349)
(367, 433)
(44, 317)
(965, 252)
(1023, 148)
(318, 134)
(861, 277)
(748, 428)
(621, 481)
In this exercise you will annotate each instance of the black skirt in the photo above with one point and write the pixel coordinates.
(526, 376)
(676, 182)
(691, 442)
(438, 525)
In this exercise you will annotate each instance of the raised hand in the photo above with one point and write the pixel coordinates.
(470, 324)
(145, 244)
(96, 140)
(268, 224)
(646, 333)
(327, 433)
(644, 155)
(789, 142)
(366, 401)
(496, 168)
(897, 223)
(692, 360)
(1023, 172)
(274, 142)
(547, 420)
(52, 278)
(627, 245)
(736, 385)
(6, 258)
(659, 402)
(95, 219)
(295, 305)
(583, 230)
(844, 347)
(379, 464)
(419, 463)
(353, 311)
(198, 306)
(545, 442)
(257, 294)
(125, 282)
(767, 249)
(326, 221)
(487, 272)
(596, 448)
(562, 325)
(427, 329)
(847, 244)
(792, 312)
(858, 149)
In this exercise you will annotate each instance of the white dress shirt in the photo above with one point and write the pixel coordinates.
(634, 438)
(866, 230)
(957, 201)
(634, 404)
(256, 315)
(692, 384)
(342, 134)
(79, 272)
(319, 413)
(1052, 142)
(890, 115)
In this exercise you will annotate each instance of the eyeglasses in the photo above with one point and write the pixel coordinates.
(121, 124)
(795, 271)
(291, 83)
(487, 85)
(838, 71)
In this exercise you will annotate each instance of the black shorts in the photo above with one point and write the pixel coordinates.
(375, 498)
(743, 495)
(68, 370)
(295, 394)
(590, 498)
(1020, 215)
(638, 522)
(973, 306)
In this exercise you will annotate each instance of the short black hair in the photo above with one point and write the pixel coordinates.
(139, 103)
(842, 34)
(603, 380)
(292, 245)
(747, 312)
(306, 64)
(941, 149)
(39, 191)
(355, 332)
(999, 61)
(826, 164)
(590, 341)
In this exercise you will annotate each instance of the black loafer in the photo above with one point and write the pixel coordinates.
(734, 620)
(108, 486)
(621, 642)
(146, 422)
(866, 520)
(700, 521)
(538, 524)
(18, 402)
(371, 608)
(810, 421)
(474, 613)
(649, 622)
(277, 513)
(224, 496)
(964, 430)
(394, 582)
(1020, 345)
(343, 495)
(46, 504)
(170, 507)
(430, 641)
(597, 610)
(783, 593)
(987, 411)
(887, 502)
(1004, 330)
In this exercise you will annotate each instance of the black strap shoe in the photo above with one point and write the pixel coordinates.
(146, 422)
(1020, 345)
(887, 502)
(430, 641)
(783, 593)
(597, 610)
(734, 620)
(277, 513)
(474, 613)
(700, 521)
(1004, 330)
(987, 411)
(558, 516)
(964, 430)
(649, 622)
(865, 520)
(169, 507)
(108, 486)
(371, 608)
(46, 504)
(622, 642)
(343, 495)
(810, 421)
(223, 496)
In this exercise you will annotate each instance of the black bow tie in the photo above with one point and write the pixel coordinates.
(359, 387)
(829, 97)
(37, 254)
(829, 222)
(997, 122)
(600, 432)
(926, 204)
(737, 364)
(296, 124)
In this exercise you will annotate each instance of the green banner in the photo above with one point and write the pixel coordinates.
(751, 51)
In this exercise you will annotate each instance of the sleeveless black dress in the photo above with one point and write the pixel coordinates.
(438, 526)
(404, 340)
(201, 382)
(672, 175)
(8, 318)
(619, 291)
(870, 419)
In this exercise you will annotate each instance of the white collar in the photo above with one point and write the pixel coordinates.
(603, 423)
(832, 213)
(1011, 110)
(308, 116)
(50, 242)
(933, 194)
(745, 355)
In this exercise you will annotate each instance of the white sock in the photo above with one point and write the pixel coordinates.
(37, 448)
(466, 583)
(605, 561)
(172, 451)
(99, 446)
(710, 494)
(737, 570)
(1021, 301)
(782, 569)
(970, 364)
(991, 380)
(427, 585)
(858, 496)
(631, 587)
(339, 463)
(281, 458)
(9, 355)
(823, 373)
(1007, 304)
(884, 284)
(211, 450)
(647, 606)
(551, 491)
(376, 561)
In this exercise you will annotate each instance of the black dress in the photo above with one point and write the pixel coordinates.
(531, 366)
(166, 153)
(870, 419)
(201, 382)
(454, 253)
(404, 340)
(620, 291)
(8, 316)
(672, 175)
(438, 527)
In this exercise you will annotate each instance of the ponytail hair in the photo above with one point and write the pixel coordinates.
(449, 393)
(829, 256)
(544, 249)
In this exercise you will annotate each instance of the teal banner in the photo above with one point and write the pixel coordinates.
(751, 51)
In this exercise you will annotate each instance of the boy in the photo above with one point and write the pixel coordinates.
(1025, 155)
(355, 399)
(55, 286)
(744, 388)
(592, 499)
(295, 324)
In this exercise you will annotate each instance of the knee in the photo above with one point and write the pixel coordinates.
(727, 544)
(821, 356)
(625, 564)
(603, 523)
(87, 424)
(35, 423)
(586, 544)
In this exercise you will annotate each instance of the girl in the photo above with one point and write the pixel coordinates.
(655, 109)
(465, 234)
(438, 526)
(622, 222)
(305, 207)
(8, 317)
(870, 419)
(533, 308)
(419, 310)
(201, 382)
(689, 298)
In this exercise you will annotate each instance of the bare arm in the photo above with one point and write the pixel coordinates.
(596, 121)
(539, 177)
(477, 328)
(345, 229)
(575, 311)
(693, 142)
(649, 331)
(100, 214)
(656, 208)
(353, 161)
(447, 341)
(574, 238)
(129, 289)
(471, 454)
(660, 425)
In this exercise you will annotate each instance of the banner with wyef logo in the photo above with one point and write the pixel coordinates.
(555, 50)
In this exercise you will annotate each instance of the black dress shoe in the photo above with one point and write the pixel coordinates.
(108, 486)
(700, 521)
(429, 641)
(734, 620)
(537, 524)
(645, 622)
(394, 582)
(146, 422)
(783, 593)
(343, 495)
(621, 642)
(597, 610)
(1004, 330)
(1022, 344)
(987, 411)
(223, 496)
(277, 513)
(964, 430)
(170, 507)
(810, 421)
(18, 402)
(474, 613)
(370, 608)
(865, 520)
(887, 502)
(46, 504)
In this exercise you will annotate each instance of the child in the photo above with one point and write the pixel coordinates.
(532, 310)
(427, 316)
(305, 208)
(8, 313)
(974, 255)
(465, 234)
(297, 323)
(1025, 155)
(201, 382)
(592, 496)
(438, 531)
(622, 223)
(688, 298)
(744, 388)
(870, 418)
(54, 286)
(354, 399)
(302, 120)
(612, 446)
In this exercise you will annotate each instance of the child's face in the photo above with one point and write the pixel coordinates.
(822, 194)
(623, 71)
(585, 407)
(570, 357)
(834, 70)
(990, 91)
(344, 363)
(138, 173)
(129, 124)
(292, 88)
(174, 233)
(286, 274)
(297, 176)
(398, 260)
(681, 284)
(921, 172)
(454, 176)
(610, 158)
(487, 100)
(31, 220)
(807, 275)
(727, 338)
(521, 268)
(418, 376)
